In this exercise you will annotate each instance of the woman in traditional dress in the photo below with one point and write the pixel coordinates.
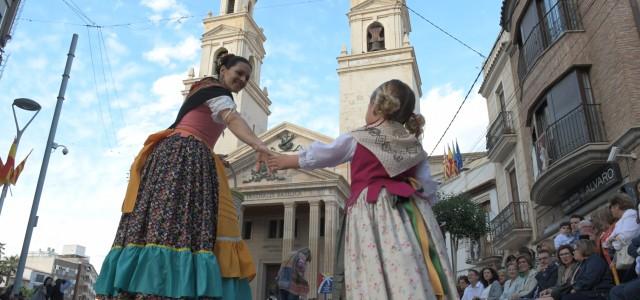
(291, 282)
(393, 245)
(178, 235)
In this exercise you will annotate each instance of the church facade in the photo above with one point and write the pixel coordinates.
(292, 209)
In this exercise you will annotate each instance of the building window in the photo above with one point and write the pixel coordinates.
(565, 119)
(246, 230)
(250, 8)
(252, 62)
(500, 96)
(513, 185)
(273, 229)
(375, 37)
(321, 226)
(39, 278)
(4, 5)
(543, 22)
(231, 6)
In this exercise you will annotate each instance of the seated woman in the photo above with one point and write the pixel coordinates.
(566, 270)
(592, 280)
(493, 289)
(526, 281)
(510, 286)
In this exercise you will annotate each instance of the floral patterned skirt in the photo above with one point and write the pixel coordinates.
(164, 248)
(383, 252)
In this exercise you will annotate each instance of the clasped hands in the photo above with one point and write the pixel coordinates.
(273, 160)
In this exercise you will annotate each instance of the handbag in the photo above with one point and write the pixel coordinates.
(623, 259)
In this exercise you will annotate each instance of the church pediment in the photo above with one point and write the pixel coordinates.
(221, 30)
(371, 4)
(285, 138)
(250, 177)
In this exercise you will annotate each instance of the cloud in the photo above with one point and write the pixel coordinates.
(161, 5)
(166, 9)
(165, 55)
(439, 105)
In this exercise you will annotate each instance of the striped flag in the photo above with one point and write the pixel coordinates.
(451, 162)
(18, 170)
(445, 165)
(7, 168)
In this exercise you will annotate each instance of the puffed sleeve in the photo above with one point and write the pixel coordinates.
(429, 186)
(320, 155)
(219, 104)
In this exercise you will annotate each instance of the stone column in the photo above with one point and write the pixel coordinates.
(330, 234)
(289, 223)
(314, 233)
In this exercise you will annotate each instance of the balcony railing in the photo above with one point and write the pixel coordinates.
(560, 18)
(581, 126)
(514, 216)
(502, 125)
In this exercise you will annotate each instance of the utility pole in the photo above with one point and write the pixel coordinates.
(33, 216)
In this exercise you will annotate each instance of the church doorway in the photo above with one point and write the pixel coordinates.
(270, 282)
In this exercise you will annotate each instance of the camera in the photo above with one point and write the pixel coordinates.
(613, 154)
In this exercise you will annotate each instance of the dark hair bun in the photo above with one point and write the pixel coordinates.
(228, 60)
(415, 124)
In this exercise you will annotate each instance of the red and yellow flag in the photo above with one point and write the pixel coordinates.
(7, 169)
(18, 169)
(453, 171)
(445, 165)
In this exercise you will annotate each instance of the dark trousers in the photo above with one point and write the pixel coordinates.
(580, 295)
(627, 275)
(626, 291)
(285, 295)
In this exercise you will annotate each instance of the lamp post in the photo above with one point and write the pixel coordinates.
(33, 216)
(28, 105)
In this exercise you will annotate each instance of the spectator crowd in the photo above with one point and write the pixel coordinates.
(594, 258)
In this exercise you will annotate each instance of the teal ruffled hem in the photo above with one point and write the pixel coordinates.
(234, 288)
(175, 273)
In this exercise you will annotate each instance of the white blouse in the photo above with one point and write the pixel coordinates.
(625, 229)
(341, 150)
(219, 104)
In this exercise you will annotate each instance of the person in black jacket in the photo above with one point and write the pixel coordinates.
(593, 278)
(631, 289)
(547, 274)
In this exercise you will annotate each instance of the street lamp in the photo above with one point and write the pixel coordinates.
(33, 216)
(28, 105)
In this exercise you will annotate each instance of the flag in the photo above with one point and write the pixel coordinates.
(445, 165)
(452, 165)
(18, 170)
(7, 168)
(459, 161)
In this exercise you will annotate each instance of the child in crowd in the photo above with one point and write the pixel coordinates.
(564, 237)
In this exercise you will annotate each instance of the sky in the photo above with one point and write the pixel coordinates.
(126, 81)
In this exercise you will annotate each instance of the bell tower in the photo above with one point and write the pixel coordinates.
(235, 31)
(380, 51)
